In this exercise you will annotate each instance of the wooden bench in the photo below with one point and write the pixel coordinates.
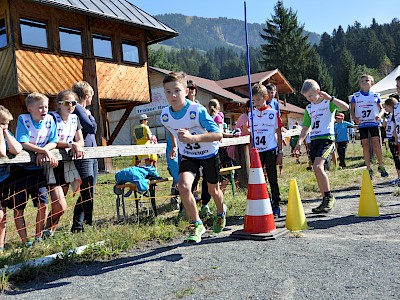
(119, 190)
(231, 172)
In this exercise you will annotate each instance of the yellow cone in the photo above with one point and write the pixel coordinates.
(368, 206)
(295, 217)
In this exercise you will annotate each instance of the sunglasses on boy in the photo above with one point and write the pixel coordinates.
(67, 103)
(191, 88)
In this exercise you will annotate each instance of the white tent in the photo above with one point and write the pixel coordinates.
(387, 85)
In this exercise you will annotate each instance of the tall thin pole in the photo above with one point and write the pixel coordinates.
(249, 74)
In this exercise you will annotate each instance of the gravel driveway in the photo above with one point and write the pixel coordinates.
(341, 256)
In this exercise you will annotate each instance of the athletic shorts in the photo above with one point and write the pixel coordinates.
(6, 191)
(210, 166)
(374, 131)
(321, 148)
(59, 174)
(29, 183)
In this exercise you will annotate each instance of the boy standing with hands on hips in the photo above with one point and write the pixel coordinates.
(320, 117)
(194, 132)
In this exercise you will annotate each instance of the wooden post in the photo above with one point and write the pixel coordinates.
(243, 159)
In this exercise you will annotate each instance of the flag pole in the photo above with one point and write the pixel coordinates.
(248, 73)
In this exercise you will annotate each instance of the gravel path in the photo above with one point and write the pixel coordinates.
(341, 256)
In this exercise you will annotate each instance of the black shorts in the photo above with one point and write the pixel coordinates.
(6, 191)
(59, 174)
(374, 131)
(29, 183)
(321, 148)
(210, 166)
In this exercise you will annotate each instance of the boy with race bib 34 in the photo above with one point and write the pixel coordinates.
(267, 126)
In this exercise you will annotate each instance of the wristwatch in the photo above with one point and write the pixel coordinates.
(333, 97)
(70, 144)
(280, 151)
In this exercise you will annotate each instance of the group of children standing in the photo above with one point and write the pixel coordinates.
(194, 133)
(41, 131)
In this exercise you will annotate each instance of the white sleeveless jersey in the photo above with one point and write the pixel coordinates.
(366, 108)
(189, 121)
(66, 131)
(265, 123)
(396, 117)
(390, 126)
(322, 119)
(39, 137)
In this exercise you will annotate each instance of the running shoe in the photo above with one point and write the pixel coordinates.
(395, 182)
(326, 206)
(196, 230)
(383, 171)
(370, 173)
(220, 221)
(205, 212)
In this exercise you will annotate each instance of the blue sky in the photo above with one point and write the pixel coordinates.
(317, 15)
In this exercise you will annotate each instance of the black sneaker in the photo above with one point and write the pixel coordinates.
(383, 171)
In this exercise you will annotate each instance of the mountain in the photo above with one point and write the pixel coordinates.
(209, 33)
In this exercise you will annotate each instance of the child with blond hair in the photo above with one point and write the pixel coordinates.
(320, 117)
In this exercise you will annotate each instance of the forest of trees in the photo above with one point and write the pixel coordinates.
(337, 62)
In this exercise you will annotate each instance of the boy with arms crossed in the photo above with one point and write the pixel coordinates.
(320, 117)
(194, 132)
(268, 140)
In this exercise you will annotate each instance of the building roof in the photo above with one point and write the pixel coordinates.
(214, 88)
(290, 108)
(273, 76)
(118, 10)
(209, 86)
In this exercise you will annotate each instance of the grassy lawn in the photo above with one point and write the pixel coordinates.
(119, 237)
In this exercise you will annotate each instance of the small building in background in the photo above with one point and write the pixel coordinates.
(231, 93)
(231, 105)
(240, 86)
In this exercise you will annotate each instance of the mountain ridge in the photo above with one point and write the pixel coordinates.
(209, 33)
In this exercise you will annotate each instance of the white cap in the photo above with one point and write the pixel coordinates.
(143, 117)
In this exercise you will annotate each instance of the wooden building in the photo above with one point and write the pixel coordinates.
(47, 45)
(240, 86)
(231, 99)
(231, 105)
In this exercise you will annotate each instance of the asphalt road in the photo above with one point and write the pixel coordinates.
(341, 256)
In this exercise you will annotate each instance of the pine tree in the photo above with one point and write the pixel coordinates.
(286, 48)
(346, 80)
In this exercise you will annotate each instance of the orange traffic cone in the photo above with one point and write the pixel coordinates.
(259, 221)
(368, 207)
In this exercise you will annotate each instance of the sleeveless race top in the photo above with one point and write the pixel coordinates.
(367, 109)
(322, 119)
(390, 125)
(39, 137)
(66, 131)
(265, 124)
(396, 117)
(189, 121)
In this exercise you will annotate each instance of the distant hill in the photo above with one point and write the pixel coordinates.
(209, 33)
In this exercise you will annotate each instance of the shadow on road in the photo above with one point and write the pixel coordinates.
(347, 220)
(97, 268)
